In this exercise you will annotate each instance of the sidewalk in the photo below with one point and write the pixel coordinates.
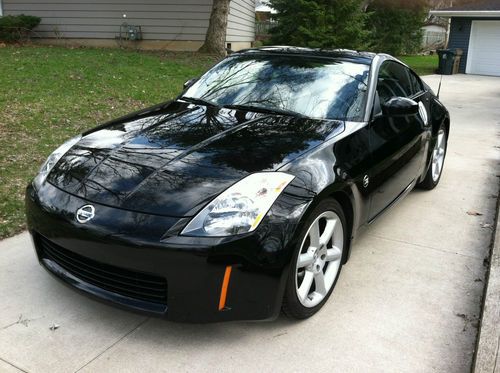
(488, 347)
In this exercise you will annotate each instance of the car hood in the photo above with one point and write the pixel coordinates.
(173, 158)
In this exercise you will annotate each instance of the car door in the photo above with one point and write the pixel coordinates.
(396, 142)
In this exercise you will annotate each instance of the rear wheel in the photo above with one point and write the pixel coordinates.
(435, 170)
(317, 261)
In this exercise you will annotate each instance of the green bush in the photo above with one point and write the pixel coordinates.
(15, 28)
(391, 26)
(319, 23)
(395, 27)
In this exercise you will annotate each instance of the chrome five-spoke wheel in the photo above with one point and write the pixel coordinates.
(438, 155)
(319, 259)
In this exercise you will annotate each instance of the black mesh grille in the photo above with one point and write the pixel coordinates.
(122, 281)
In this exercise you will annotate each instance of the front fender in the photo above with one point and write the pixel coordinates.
(336, 169)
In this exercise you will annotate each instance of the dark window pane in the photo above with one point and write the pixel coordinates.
(416, 84)
(315, 87)
(393, 81)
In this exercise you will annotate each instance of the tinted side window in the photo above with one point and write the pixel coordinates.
(393, 81)
(416, 83)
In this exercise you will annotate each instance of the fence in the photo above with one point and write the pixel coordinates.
(262, 29)
(433, 39)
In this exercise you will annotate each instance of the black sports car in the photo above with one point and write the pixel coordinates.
(242, 197)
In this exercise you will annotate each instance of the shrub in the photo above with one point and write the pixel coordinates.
(319, 23)
(395, 26)
(391, 26)
(15, 28)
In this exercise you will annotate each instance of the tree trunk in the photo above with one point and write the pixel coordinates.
(215, 39)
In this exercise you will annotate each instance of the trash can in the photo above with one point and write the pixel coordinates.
(456, 60)
(449, 60)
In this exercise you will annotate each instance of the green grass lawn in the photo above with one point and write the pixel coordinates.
(423, 65)
(50, 94)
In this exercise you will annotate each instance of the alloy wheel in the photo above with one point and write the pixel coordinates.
(319, 259)
(438, 155)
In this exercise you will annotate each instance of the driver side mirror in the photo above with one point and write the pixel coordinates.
(189, 83)
(399, 106)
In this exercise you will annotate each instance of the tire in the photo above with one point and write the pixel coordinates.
(321, 261)
(431, 179)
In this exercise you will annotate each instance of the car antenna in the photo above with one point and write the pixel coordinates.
(439, 87)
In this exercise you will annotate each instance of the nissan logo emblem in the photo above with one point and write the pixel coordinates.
(85, 213)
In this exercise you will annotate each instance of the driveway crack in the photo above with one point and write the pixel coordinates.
(13, 365)
(423, 246)
(24, 321)
(113, 344)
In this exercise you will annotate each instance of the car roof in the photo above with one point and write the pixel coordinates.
(361, 57)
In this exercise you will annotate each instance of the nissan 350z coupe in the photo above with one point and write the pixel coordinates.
(241, 197)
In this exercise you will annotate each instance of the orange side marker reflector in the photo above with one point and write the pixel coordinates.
(223, 290)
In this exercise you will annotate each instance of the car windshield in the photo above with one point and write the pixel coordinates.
(309, 86)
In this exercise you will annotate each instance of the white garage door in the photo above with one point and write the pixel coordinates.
(484, 48)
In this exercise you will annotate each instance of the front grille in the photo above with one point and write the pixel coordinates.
(121, 281)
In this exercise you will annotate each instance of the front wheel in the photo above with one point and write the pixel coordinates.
(317, 261)
(435, 170)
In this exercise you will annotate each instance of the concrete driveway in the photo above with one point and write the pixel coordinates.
(407, 301)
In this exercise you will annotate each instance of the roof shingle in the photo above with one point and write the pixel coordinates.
(476, 5)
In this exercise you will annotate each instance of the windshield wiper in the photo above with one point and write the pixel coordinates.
(199, 101)
(262, 109)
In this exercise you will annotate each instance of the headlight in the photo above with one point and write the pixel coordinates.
(53, 159)
(241, 207)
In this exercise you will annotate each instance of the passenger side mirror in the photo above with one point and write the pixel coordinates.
(189, 83)
(399, 106)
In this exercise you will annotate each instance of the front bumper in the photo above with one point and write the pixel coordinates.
(119, 253)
